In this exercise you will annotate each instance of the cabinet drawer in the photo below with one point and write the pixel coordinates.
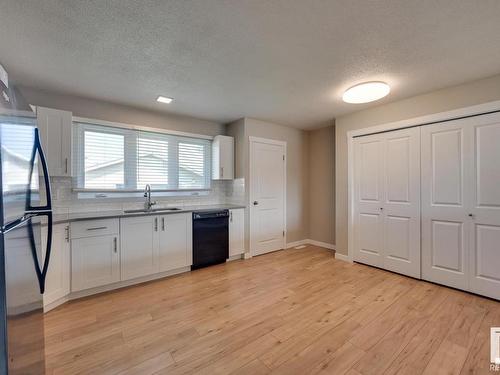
(92, 228)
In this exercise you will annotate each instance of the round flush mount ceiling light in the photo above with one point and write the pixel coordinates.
(366, 92)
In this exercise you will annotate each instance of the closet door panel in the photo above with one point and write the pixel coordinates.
(444, 203)
(484, 254)
(447, 246)
(402, 201)
(368, 200)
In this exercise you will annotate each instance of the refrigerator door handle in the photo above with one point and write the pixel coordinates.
(41, 272)
(37, 147)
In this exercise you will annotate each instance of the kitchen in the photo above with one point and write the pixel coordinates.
(249, 187)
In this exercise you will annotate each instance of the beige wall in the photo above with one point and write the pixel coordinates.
(100, 110)
(464, 95)
(322, 185)
(297, 215)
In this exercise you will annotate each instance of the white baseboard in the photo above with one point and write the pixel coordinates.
(235, 257)
(321, 244)
(310, 242)
(126, 283)
(54, 304)
(296, 243)
(247, 256)
(342, 257)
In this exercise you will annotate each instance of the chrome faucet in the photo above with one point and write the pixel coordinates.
(147, 194)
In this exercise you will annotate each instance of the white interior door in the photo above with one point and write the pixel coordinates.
(446, 202)
(368, 200)
(402, 201)
(484, 254)
(267, 195)
(387, 201)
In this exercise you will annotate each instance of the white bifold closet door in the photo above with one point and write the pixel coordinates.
(461, 204)
(387, 201)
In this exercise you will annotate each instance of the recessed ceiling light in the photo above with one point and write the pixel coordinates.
(366, 92)
(164, 99)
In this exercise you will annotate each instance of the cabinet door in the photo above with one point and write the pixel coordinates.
(223, 158)
(368, 200)
(175, 241)
(484, 254)
(95, 261)
(55, 132)
(236, 232)
(57, 282)
(445, 202)
(139, 251)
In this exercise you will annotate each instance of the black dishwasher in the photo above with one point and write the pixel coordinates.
(210, 238)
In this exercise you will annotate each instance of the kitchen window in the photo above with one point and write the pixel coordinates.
(116, 159)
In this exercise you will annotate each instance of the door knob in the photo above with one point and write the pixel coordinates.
(471, 215)
(255, 203)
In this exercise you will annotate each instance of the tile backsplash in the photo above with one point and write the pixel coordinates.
(65, 200)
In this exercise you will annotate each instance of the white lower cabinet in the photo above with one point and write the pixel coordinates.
(57, 282)
(95, 259)
(236, 232)
(139, 250)
(175, 244)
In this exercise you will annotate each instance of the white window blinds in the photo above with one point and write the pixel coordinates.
(112, 158)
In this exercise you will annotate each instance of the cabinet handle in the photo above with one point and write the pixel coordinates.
(67, 233)
(97, 228)
(222, 172)
(66, 165)
(115, 246)
(163, 224)
(231, 216)
(156, 224)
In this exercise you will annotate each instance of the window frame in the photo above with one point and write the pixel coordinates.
(130, 159)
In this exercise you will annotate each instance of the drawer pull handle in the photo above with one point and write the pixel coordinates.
(163, 224)
(67, 233)
(156, 224)
(97, 228)
(115, 247)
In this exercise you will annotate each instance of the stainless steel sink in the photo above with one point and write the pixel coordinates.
(143, 210)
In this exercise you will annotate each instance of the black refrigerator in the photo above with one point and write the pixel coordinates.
(25, 214)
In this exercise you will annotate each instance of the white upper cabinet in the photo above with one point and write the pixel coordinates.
(236, 232)
(223, 158)
(55, 133)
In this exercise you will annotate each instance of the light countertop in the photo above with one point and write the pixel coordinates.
(93, 215)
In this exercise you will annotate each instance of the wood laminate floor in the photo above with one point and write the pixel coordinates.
(289, 312)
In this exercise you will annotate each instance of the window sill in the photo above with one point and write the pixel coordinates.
(85, 194)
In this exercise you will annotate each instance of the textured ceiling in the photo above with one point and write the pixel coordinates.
(285, 61)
